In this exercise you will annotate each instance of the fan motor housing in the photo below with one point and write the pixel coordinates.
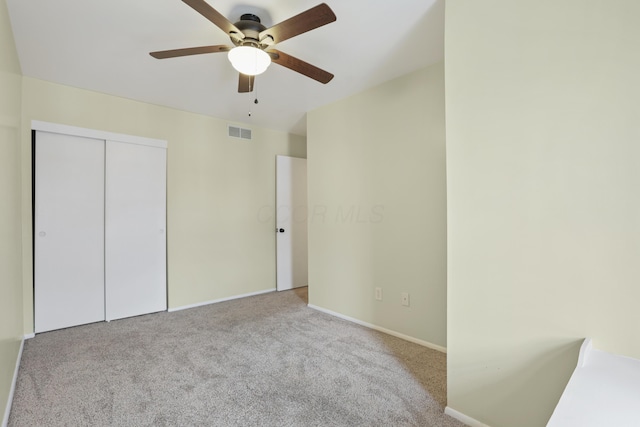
(251, 27)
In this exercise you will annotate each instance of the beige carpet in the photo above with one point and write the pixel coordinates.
(267, 360)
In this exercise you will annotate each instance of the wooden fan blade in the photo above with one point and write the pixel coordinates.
(245, 83)
(163, 54)
(301, 23)
(204, 9)
(300, 66)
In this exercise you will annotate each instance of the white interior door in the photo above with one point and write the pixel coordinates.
(291, 222)
(69, 231)
(135, 226)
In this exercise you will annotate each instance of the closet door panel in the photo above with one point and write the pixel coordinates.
(69, 231)
(135, 223)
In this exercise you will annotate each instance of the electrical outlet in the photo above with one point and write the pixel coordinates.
(378, 294)
(405, 298)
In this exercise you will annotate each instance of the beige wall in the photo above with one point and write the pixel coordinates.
(10, 236)
(543, 155)
(220, 241)
(376, 182)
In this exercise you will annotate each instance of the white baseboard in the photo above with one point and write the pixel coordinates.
(471, 422)
(381, 329)
(7, 409)
(29, 336)
(200, 304)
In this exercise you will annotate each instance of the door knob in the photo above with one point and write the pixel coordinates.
(281, 230)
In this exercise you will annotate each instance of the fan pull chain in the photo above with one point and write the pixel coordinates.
(255, 88)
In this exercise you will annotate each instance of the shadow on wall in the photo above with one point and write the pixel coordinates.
(427, 366)
(302, 293)
(300, 125)
(526, 395)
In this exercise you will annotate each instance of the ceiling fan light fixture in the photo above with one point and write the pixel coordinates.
(249, 60)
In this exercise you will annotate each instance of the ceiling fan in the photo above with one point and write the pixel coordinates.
(252, 49)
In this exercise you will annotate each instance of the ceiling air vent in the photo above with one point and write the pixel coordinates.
(238, 132)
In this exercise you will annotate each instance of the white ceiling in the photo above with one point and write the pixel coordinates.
(103, 46)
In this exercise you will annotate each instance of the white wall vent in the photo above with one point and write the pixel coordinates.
(238, 132)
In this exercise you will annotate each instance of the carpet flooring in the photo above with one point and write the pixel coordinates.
(267, 360)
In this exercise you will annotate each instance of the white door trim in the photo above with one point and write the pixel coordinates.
(96, 134)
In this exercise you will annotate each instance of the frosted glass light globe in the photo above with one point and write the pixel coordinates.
(249, 60)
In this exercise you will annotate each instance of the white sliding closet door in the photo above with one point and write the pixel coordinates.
(135, 223)
(69, 231)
